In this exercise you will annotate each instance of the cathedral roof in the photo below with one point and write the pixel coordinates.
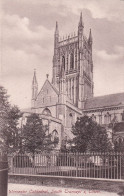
(105, 101)
(54, 88)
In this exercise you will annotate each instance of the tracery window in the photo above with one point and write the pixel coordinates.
(105, 119)
(100, 119)
(122, 116)
(47, 112)
(108, 118)
(63, 62)
(55, 137)
(93, 117)
(72, 61)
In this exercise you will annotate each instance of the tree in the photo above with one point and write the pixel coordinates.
(34, 137)
(12, 129)
(89, 136)
(9, 116)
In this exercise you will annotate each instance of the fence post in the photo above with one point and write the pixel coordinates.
(76, 157)
(10, 163)
(3, 174)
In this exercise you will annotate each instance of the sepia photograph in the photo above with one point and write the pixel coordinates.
(62, 97)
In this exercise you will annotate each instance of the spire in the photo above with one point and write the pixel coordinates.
(56, 29)
(34, 88)
(81, 24)
(34, 82)
(90, 37)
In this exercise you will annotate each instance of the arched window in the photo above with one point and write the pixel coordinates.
(108, 118)
(63, 62)
(93, 117)
(72, 61)
(105, 119)
(55, 137)
(100, 119)
(122, 116)
(70, 119)
(47, 112)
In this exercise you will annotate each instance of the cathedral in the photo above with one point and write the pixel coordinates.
(71, 92)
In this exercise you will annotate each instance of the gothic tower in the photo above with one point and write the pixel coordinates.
(73, 66)
(34, 89)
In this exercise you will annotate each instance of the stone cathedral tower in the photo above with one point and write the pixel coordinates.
(73, 65)
(70, 94)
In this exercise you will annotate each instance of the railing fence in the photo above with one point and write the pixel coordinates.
(88, 165)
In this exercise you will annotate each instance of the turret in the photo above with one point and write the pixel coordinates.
(34, 89)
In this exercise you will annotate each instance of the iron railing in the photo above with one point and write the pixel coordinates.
(85, 165)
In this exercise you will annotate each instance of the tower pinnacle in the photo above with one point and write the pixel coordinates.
(56, 29)
(90, 37)
(81, 24)
(34, 82)
(34, 88)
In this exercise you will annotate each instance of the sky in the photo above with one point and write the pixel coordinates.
(27, 37)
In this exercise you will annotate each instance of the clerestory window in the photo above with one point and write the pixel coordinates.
(72, 61)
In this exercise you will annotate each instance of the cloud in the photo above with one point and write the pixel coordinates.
(103, 55)
(108, 72)
(17, 31)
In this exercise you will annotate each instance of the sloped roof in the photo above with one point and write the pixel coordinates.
(54, 88)
(105, 101)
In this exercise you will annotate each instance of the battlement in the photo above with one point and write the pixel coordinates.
(68, 39)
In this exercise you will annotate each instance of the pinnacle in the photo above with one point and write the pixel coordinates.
(56, 29)
(81, 21)
(90, 36)
(34, 78)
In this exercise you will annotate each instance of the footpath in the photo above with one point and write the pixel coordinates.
(39, 190)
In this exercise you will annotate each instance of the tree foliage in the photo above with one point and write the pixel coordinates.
(89, 136)
(35, 137)
(119, 146)
(9, 116)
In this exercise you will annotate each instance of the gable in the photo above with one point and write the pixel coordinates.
(47, 96)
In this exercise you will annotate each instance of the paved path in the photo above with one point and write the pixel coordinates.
(35, 190)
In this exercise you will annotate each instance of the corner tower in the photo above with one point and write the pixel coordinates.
(72, 63)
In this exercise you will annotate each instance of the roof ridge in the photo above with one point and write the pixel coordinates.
(101, 96)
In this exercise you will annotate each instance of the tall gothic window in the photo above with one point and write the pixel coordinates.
(63, 62)
(93, 117)
(105, 120)
(108, 118)
(100, 119)
(72, 61)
